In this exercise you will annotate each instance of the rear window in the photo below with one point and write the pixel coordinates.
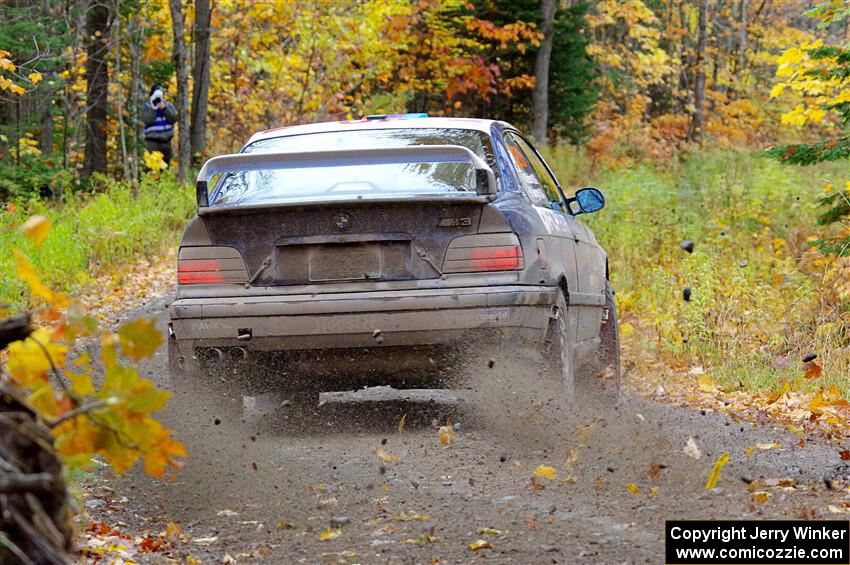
(359, 181)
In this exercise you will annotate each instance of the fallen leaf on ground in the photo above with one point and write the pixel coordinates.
(653, 492)
(844, 454)
(760, 497)
(761, 446)
(172, 531)
(633, 488)
(284, 525)
(402, 422)
(412, 517)
(480, 544)
(387, 457)
(654, 470)
(813, 371)
(706, 384)
(489, 531)
(691, 449)
(585, 433)
(428, 537)
(546, 472)
(714, 476)
(330, 533)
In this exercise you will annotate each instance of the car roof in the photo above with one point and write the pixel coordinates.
(377, 123)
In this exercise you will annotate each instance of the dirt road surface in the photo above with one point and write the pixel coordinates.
(264, 489)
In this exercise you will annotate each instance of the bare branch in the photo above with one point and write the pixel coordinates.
(33, 482)
(79, 410)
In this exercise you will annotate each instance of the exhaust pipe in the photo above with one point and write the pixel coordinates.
(238, 354)
(215, 355)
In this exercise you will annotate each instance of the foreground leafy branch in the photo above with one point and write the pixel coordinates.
(56, 412)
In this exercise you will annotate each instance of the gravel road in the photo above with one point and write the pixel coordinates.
(264, 487)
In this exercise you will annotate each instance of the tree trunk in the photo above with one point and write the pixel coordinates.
(699, 86)
(540, 95)
(184, 150)
(97, 76)
(125, 158)
(742, 37)
(136, 131)
(200, 78)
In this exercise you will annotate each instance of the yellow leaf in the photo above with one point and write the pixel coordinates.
(34, 77)
(489, 531)
(545, 472)
(653, 492)
(402, 422)
(27, 273)
(139, 338)
(43, 399)
(480, 544)
(760, 497)
(154, 161)
(330, 533)
(81, 384)
(413, 517)
(117, 454)
(446, 434)
(706, 384)
(714, 476)
(147, 401)
(387, 457)
(633, 488)
(28, 362)
(36, 228)
(777, 89)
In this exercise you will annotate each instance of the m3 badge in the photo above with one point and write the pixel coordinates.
(454, 222)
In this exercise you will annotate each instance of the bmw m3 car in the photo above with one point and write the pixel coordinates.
(392, 237)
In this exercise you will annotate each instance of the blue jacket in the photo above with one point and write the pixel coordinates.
(159, 124)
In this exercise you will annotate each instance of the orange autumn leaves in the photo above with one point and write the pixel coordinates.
(111, 419)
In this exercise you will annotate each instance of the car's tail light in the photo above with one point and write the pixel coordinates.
(210, 265)
(484, 252)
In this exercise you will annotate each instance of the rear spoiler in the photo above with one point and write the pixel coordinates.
(485, 180)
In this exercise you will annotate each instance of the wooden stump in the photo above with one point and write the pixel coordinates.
(35, 511)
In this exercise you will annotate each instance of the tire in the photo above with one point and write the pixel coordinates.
(601, 381)
(560, 356)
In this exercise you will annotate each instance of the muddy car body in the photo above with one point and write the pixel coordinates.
(390, 235)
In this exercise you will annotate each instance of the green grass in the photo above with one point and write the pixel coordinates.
(759, 296)
(93, 234)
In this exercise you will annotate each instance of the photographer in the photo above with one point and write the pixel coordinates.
(159, 116)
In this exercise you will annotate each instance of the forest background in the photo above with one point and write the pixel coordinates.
(680, 111)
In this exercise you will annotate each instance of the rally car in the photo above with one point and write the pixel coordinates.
(388, 236)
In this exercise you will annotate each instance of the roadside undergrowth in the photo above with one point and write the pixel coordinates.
(750, 318)
(93, 238)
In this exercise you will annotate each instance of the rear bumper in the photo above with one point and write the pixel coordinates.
(349, 320)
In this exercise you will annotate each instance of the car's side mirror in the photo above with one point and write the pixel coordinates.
(588, 199)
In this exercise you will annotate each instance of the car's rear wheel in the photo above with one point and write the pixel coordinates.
(560, 355)
(600, 381)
